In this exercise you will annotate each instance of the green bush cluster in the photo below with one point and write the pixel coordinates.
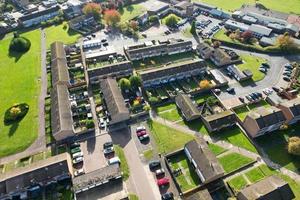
(16, 112)
(19, 44)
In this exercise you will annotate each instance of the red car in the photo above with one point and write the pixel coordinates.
(141, 133)
(163, 181)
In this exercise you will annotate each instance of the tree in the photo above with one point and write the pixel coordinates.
(19, 44)
(216, 44)
(204, 84)
(112, 17)
(92, 9)
(14, 112)
(154, 19)
(124, 84)
(285, 42)
(134, 25)
(247, 35)
(135, 81)
(294, 145)
(172, 20)
(193, 28)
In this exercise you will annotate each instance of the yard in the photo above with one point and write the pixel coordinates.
(233, 161)
(187, 179)
(168, 139)
(275, 143)
(131, 11)
(19, 84)
(289, 6)
(171, 115)
(252, 63)
(124, 165)
(61, 33)
(242, 112)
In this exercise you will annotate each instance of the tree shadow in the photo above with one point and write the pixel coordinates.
(13, 128)
(130, 8)
(16, 55)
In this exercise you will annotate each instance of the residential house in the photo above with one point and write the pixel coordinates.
(73, 8)
(26, 182)
(219, 121)
(291, 110)
(177, 71)
(270, 188)
(37, 17)
(205, 50)
(81, 21)
(238, 74)
(204, 162)
(203, 194)
(187, 107)
(114, 101)
(152, 48)
(263, 120)
(220, 57)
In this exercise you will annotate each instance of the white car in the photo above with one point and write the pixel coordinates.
(77, 155)
(140, 128)
(114, 160)
(159, 172)
(78, 160)
(79, 172)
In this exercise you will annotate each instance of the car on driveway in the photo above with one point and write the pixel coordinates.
(79, 172)
(74, 145)
(286, 79)
(167, 196)
(230, 90)
(159, 172)
(154, 164)
(107, 145)
(78, 160)
(114, 160)
(108, 150)
(242, 99)
(75, 150)
(140, 128)
(163, 182)
(143, 137)
(141, 133)
(76, 155)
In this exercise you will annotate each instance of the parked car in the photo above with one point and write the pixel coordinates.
(286, 79)
(249, 98)
(163, 181)
(108, 150)
(288, 70)
(74, 145)
(230, 90)
(154, 164)
(78, 154)
(140, 128)
(79, 172)
(78, 160)
(276, 89)
(263, 70)
(141, 133)
(107, 145)
(167, 196)
(242, 99)
(160, 172)
(144, 137)
(114, 160)
(287, 73)
(104, 40)
(266, 65)
(75, 150)
(217, 91)
(101, 123)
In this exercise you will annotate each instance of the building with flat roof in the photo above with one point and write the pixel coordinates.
(259, 31)
(270, 188)
(114, 101)
(263, 120)
(205, 163)
(188, 109)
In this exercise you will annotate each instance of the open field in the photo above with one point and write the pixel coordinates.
(131, 11)
(252, 63)
(19, 85)
(61, 33)
(233, 161)
(289, 6)
(168, 139)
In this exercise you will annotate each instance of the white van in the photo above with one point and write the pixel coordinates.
(77, 155)
(114, 160)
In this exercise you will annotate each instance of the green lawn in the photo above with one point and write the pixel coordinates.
(171, 115)
(188, 179)
(124, 165)
(165, 107)
(202, 97)
(216, 149)
(19, 84)
(237, 182)
(168, 139)
(133, 197)
(252, 63)
(148, 154)
(289, 6)
(61, 33)
(275, 143)
(242, 112)
(131, 11)
(255, 175)
(233, 161)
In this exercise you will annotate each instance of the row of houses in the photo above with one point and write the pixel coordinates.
(157, 48)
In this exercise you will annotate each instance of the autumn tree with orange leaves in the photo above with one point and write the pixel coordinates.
(112, 17)
(92, 9)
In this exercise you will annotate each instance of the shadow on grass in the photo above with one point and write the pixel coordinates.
(15, 55)
(13, 128)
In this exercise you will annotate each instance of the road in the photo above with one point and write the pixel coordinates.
(141, 181)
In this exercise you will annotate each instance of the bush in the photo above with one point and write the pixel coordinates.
(19, 44)
(294, 146)
(204, 84)
(16, 112)
(89, 124)
(153, 100)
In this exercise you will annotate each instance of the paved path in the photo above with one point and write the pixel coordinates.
(40, 143)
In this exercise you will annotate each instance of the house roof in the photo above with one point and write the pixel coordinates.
(220, 54)
(262, 30)
(266, 117)
(187, 107)
(204, 47)
(220, 119)
(114, 100)
(110, 69)
(271, 188)
(206, 161)
(58, 51)
(200, 195)
(61, 116)
(293, 105)
(60, 72)
(37, 172)
(39, 13)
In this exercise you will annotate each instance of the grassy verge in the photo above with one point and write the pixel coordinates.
(131, 11)
(124, 165)
(133, 197)
(252, 63)
(171, 115)
(168, 139)
(233, 161)
(148, 154)
(242, 112)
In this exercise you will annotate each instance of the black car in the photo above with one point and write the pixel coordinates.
(276, 89)
(286, 79)
(242, 99)
(230, 90)
(107, 145)
(265, 65)
(167, 196)
(154, 164)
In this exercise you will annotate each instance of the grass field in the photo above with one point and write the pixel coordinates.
(216, 149)
(171, 115)
(237, 182)
(124, 165)
(252, 63)
(168, 139)
(19, 84)
(289, 6)
(131, 11)
(233, 161)
(61, 33)
(242, 112)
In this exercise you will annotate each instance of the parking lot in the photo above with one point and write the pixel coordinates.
(93, 155)
(206, 29)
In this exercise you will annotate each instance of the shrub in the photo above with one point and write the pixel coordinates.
(153, 100)
(19, 44)
(135, 81)
(124, 84)
(204, 84)
(89, 124)
(146, 107)
(172, 20)
(294, 145)
(16, 112)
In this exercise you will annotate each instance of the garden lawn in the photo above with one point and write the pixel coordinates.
(233, 161)
(171, 115)
(242, 112)
(165, 107)
(61, 33)
(19, 84)
(237, 182)
(252, 63)
(216, 149)
(124, 165)
(168, 139)
(131, 11)
(289, 6)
